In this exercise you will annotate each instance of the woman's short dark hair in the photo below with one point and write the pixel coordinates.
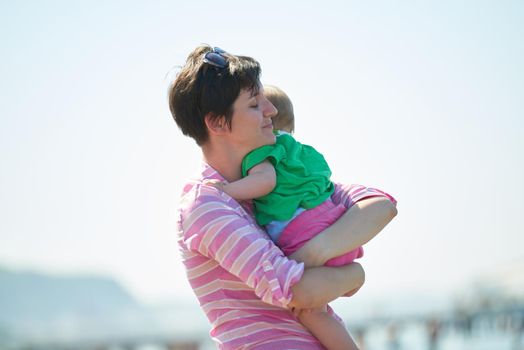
(202, 89)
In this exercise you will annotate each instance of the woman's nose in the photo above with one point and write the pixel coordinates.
(270, 111)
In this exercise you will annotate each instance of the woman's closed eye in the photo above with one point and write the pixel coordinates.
(253, 103)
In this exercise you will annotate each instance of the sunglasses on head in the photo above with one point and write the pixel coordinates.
(216, 58)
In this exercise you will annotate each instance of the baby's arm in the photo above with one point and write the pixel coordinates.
(329, 331)
(260, 180)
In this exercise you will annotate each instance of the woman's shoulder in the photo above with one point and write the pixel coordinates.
(196, 193)
(199, 198)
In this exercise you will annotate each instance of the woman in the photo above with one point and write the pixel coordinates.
(245, 285)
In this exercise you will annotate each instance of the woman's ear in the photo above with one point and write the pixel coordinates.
(215, 124)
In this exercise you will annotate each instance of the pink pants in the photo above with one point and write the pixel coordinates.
(310, 223)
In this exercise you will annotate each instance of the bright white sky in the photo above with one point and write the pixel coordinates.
(421, 99)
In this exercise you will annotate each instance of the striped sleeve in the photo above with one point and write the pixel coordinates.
(216, 230)
(351, 194)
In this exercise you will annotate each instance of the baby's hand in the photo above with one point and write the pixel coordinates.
(215, 183)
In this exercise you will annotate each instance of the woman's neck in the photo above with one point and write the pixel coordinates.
(227, 162)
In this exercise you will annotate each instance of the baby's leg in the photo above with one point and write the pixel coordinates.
(327, 329)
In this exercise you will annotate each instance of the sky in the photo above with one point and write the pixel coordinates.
(421, 99)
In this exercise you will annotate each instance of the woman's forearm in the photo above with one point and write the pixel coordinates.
(363, 221)
(320, 285)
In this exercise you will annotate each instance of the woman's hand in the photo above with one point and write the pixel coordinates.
(320, 285)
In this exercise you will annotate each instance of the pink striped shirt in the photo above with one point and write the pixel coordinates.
(241, 279)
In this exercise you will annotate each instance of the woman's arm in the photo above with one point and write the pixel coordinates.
(261, 180)
(320, 285)
(217, 229)
(357, 226)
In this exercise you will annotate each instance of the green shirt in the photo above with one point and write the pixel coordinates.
(302, 179)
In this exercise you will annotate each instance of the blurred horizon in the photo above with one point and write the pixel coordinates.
(505, 277)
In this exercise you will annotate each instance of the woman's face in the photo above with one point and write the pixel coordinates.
(251, 124)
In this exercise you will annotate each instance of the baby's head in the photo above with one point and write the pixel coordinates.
(285, 119)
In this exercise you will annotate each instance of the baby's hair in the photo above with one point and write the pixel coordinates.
(285, 119)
